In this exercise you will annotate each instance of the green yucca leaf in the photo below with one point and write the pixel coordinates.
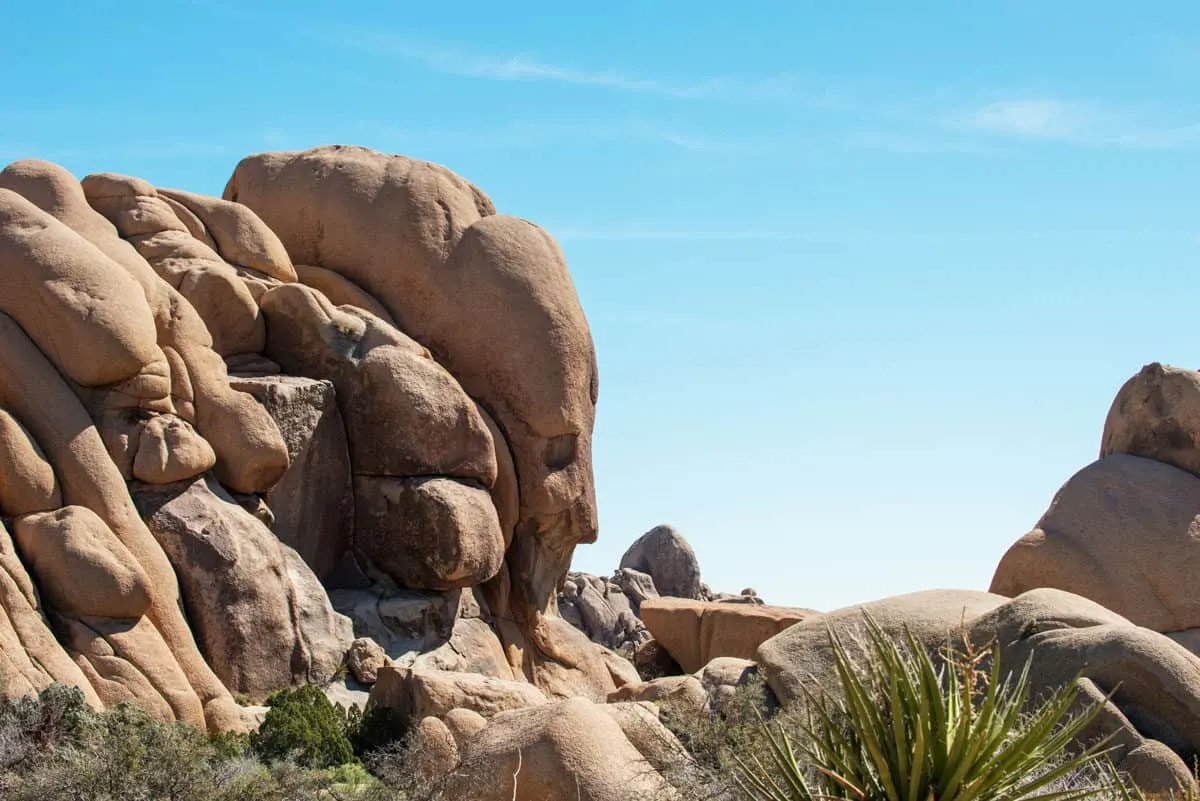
(906, 728)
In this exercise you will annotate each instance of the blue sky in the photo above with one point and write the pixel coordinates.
(863, 277)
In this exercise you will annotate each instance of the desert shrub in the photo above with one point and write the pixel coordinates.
(54, 747)
(304, 726)
(372, 729)
(904, 727)
(716, 742)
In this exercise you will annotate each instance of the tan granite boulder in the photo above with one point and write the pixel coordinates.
(1124, 532)
(1156, 415)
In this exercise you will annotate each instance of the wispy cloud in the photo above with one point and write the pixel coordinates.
(449, 59)
(1080, 123)
(1040, 118)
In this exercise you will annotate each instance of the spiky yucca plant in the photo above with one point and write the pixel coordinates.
(906, 729)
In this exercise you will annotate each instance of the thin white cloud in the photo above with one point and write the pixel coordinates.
(1039, 118)
(1079, 123)
(452, 60)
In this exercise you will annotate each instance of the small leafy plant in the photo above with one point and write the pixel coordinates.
(903, 728)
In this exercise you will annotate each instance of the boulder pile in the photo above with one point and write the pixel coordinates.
(348, 382)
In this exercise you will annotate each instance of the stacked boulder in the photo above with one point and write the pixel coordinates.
(347, 370)
(659, 564)
(340, 416)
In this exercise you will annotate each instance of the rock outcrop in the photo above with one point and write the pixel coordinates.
(664, 555)
(1153, 712)
(1123, 532)
(349, 369)
(696, 632)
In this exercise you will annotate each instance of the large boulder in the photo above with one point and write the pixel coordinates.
(1156, 414)
(405, 415)
(491, 298)
(313, 502)
(263, 620)
(427, 533)
(664, 555)
(571, 749)
(1124, 532)
(416, 694)
(1153, 714)
(696, 632)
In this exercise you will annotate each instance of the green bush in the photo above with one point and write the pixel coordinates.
(304, 726)
(903, 728)
(54, 746)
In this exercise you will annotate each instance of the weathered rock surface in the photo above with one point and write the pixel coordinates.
(262, 626)
(313, 502)
(416, 694)
(1156, 414)
(568, 749)
(427, 533)
(697, 632)
(365, 658)
(1067, 635)
(491, 298)
(411, 416)
(685, 693)
(1125, 533)
(664, 555)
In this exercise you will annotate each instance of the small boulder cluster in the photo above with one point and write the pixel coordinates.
(660, 564)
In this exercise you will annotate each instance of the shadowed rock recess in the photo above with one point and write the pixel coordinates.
(338, 423)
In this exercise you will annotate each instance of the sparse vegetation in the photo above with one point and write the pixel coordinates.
(904, 726)
(53, 746)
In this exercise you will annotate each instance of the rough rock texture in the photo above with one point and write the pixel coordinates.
(569, 749)
(261, 626)
(416, 694)
(365, 658)
(491, 298)
(1156, 414)
(411, 408)
(427, 533)
(313, 502)
(685, 693)
(1123, 532)
(1159, 696)
(664, 555)
(697, 632)
(722, 677)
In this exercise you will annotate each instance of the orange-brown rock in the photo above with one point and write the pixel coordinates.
(491, 298)
(696, 632)
(416, 694)
(251, 456)
(27, 481)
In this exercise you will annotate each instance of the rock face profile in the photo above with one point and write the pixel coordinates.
(348, 375)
